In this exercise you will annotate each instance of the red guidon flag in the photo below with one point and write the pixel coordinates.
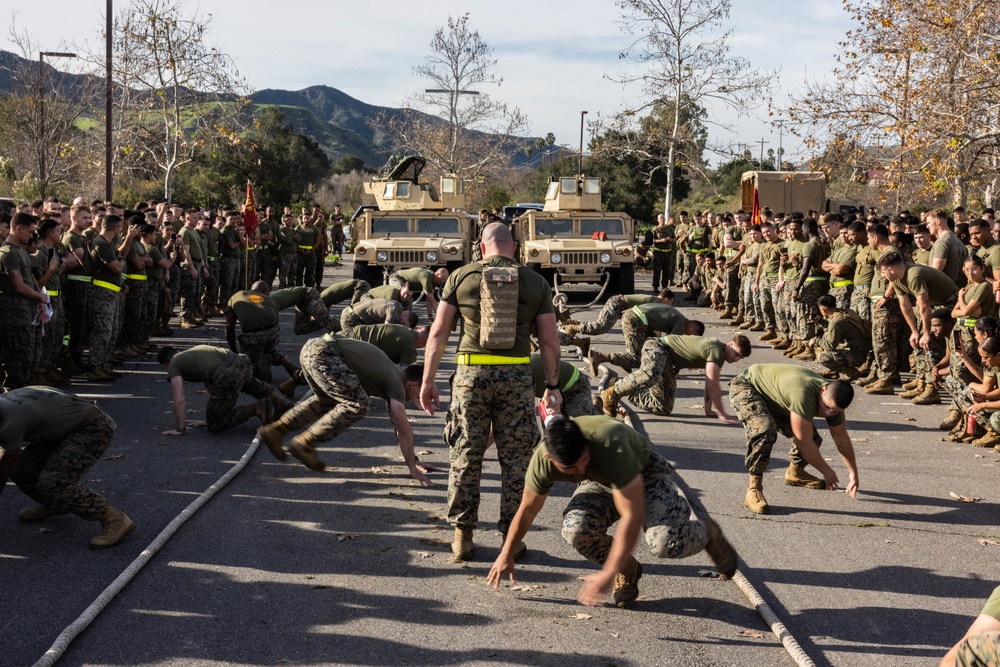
(754, 216)
(250, 212)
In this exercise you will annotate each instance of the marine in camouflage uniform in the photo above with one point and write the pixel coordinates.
(766, 277)
(260, 331)
(653, 385)
(370, 311)
(574, 386)
(211, 236)
(19, 342)
(105, 297)
(815, 285)
(311, 313)
(337, 292)
(230, 275)
(62, 436)
(638, 324)
(607, 318)
(491, 388)
(137, 262)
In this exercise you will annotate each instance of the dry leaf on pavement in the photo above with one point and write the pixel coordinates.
(113, 457)
(581, 617)
(751, 633)
(988, 542)
(964, 499)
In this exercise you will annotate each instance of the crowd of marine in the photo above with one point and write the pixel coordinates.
(866, 299)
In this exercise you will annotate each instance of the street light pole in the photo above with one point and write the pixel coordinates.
(108, 182)
(43, 147)
(582, 114)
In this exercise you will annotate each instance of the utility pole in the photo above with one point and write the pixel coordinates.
(108, 180)
(762, 142)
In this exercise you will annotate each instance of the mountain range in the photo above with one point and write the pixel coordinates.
(340, 124)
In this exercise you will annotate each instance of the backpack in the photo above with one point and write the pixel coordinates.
(498, 307)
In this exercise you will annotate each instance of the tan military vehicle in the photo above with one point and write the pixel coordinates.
(572, 241)
(415, 225)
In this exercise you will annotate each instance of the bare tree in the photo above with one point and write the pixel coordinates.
(688, 67)
(463, 131)
(174, 91)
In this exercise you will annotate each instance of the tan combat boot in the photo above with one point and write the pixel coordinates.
(754, 500)
(303, 447)
(793, 349)
(953, 418)
(797, 476)
(929, 396)
(781, 343)
(626, 588)
(991, 439)
(720, 550)
(880, 387)
(739, 319)
(288, 387)
(116, 526)
(461, 545)
(756, 326)
(596, 359)
(770, 334)
(584, 344)
(916, 388)
(571, 329)
(272, 435)
(40, 512)
(609, 400)
(727, 313)
(806, 354)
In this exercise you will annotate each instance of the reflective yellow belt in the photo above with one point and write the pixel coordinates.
(816, 279)
(251, 247)
(76, 277)
(966, 321)
(489, 360)
(106, 285)
(841, 283)
(305, 247)
(572, 380)
(641, 315)
(698, 252)
(53, 292)
(663, 249)
(135, 276)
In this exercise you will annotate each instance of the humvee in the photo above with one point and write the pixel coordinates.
(572, 241)
(415, 224)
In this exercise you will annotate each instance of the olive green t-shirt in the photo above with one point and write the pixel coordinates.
(211, 237)
(423, 278)
(795, 259)
(922, 256)
(288, 239)
(253, 309)
(102, 253)
(379, 376)
(308, 239)
(982, 294)
(816, 252)
(40, 260)
(661, 317)
(397, 341)
(695, 351)
(534, 298)
(136, 249)
(230, 235)
(39, 414)
(567, 372)
(842, 329)
(864, 265)
(664, 232)
(197, 364)
(632, 300)
(926, 280)
(338, 292)
(15, 259)
(73, 242)
(617, 454)
(846, 254)
(289, 296)
(991, 257)
(154, 271)
(790, 389)
(190, 238)
(992, 607)
(951, 249)
(770, 258)
(378, 311)
(390, 292)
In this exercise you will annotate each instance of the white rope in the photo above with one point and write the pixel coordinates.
(97, 606)
(777, 627)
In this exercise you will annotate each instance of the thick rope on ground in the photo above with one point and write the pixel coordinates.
(777, 627)
(97, 606)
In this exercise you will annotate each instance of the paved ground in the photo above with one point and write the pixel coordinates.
(352, 566)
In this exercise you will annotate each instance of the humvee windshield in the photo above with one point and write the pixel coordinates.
(391, 226)
(447, 226)
(609, 226)
(553, 227)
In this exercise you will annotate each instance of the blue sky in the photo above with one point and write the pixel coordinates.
(555, 57)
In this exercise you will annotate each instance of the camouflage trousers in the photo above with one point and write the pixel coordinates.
(578, 400)
(227, 383)
(135, 302)
(653, 385)
(49, 472)
(151, 307)
(75, 300)
(320, 267)
(289, 263)
(962, 399)
(887, 327)
(861, 302)
(229, 278)
(807, 307)
(312, 315)
(265, 265)
(485, 397)
(211, 291)
(732, 280)
(251, 268)
(337, 239)
(925, 360)
(663, 268)
(305, 271)
(102, 318)
(980, 650)
(840, 360)
(843, 295)
(688, 266)
(607, 318)
(766, 298)
(671, 527)
(338, 399)
(751, 303)
(348, 320)
(784, 311)
(969, 342)
(261, 348)
(761, 426)
(50, 342)
(635, 332)
(190, 290)
(18, 340)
